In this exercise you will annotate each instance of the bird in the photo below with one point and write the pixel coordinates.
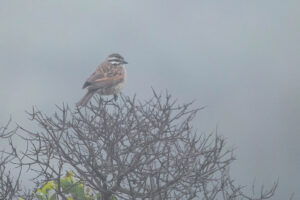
(108, 79)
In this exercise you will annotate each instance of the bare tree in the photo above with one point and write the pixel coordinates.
(132, 150)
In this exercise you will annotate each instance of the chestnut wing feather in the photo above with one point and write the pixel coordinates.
(105, 76)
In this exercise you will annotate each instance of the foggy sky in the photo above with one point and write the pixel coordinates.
(239, 58)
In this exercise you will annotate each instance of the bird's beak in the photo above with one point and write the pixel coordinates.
(124, 62)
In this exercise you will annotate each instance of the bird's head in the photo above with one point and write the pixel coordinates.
(116, 59)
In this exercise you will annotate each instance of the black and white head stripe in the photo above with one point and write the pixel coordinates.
(116, 59)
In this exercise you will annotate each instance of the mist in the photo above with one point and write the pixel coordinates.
(240, 59)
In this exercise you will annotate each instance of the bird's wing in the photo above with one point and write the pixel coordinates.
(105, 76)
(96, 75)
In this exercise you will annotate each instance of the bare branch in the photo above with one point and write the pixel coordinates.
(9, 184)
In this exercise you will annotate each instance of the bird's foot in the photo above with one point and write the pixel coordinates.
(115, 97)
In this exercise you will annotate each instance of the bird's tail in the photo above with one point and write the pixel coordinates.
(85, 99)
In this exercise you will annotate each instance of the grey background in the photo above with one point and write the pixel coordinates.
(239, 58)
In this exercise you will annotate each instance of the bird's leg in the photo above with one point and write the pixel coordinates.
(115, 97)
(101, 99)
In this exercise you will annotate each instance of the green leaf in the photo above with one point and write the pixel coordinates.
(112, 197)
(52, 197)
(40, 196)
(47, 187)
